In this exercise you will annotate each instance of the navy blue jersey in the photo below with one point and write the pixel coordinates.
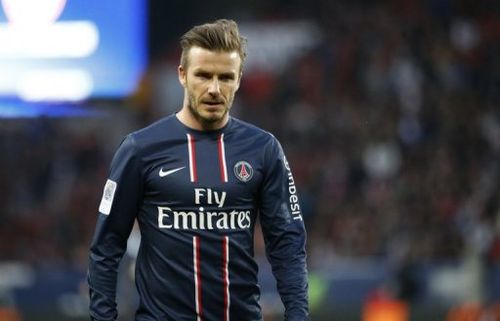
(196, 196)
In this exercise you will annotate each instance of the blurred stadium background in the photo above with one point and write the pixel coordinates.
(389, 112)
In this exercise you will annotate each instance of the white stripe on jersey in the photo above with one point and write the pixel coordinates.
(197, 277)
(192, 158)
(225, 270)
(222, 158)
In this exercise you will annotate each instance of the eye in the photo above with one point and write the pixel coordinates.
(226, 77)
(203, 75)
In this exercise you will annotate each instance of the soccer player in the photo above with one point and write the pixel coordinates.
(196, 182)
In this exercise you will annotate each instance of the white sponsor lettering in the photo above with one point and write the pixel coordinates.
(292, 191)
(229, 219)
(201, 220)
(209, 197)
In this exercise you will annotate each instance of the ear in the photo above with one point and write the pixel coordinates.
(181, 73)
(239, 80)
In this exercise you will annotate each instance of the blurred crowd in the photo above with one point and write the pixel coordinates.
(391, 124)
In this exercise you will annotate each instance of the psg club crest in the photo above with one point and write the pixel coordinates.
(243, 171)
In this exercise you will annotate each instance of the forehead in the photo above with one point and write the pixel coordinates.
(201, 58)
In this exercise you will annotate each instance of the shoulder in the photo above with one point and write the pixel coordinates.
(158, 130)
(266, 144)
(139, 141)
(155, 134)
(243, 128)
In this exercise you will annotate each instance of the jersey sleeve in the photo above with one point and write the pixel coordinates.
(117, 211)
(284, 233)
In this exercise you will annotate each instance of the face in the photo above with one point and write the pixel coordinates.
(210, 81)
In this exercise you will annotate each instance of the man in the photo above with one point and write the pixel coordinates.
(196, 181)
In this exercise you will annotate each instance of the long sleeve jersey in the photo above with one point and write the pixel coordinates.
(196, 196)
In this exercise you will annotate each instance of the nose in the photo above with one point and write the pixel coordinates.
(214, 88)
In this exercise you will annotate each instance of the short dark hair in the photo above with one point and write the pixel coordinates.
(220, 35)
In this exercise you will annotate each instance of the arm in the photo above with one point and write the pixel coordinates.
(117, 211)
(284, 233)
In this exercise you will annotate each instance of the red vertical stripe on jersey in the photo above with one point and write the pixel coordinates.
(225, 275)
(192, 158)
(222, 159)
(197, 277)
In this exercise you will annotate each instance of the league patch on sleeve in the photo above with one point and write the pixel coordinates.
(107, 197)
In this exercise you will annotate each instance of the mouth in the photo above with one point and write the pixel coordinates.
(214, 104)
